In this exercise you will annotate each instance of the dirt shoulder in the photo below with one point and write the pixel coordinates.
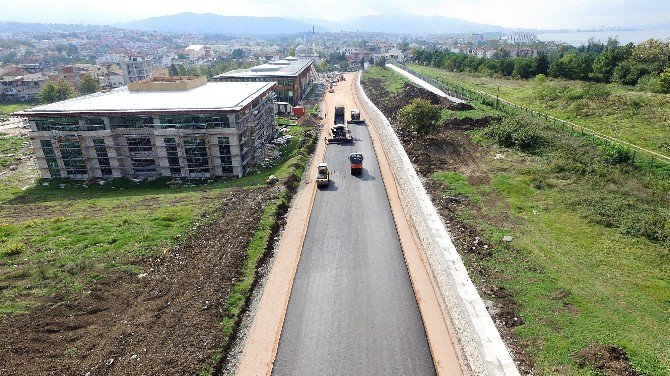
(163, 319)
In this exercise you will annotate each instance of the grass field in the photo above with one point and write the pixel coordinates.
(591, 243)
(9, 145)
(619, 111)
(391, 81)
(61, 236)
(6, 109)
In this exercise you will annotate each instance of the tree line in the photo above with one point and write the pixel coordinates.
(646, 65)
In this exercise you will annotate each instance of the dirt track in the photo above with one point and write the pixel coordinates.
(164, 320)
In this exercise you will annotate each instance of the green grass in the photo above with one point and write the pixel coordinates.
(619, 111)
(9, 145)
(391, 81)
(60, 236)
(6, 109)
(457, 185)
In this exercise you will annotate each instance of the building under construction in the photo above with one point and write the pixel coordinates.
(167, 126)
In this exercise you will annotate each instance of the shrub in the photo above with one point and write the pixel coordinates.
(516, 133)
(13, 248)
(420, 116)
(615, 154)
(541, 78)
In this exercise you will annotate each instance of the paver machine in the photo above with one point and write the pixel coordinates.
(356, 160)
(355, 117)
(339, 132)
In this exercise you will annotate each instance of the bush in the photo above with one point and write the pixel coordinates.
(13, 249)
(516, 133)
(420, 116)
(615, 154)
(540, 78)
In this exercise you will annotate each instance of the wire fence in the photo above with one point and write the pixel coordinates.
(640, 156)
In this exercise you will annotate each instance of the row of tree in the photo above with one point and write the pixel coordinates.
(62, 90)
(626, 64)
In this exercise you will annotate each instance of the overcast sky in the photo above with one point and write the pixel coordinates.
(541, 14)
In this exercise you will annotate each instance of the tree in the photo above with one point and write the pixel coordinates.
(654, 54)
(63, 90)
(362, 62)
(664, 82)
(541, 63)
(88, 85)
(173, 71)
(628, 72)
(48, 93)
(419, 116)
(523, 68)
(238, 53)
(381, 61)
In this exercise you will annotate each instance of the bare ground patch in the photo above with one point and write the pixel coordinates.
(165, 319)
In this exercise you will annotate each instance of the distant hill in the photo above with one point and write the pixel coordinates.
(11, 27)
(417, 25)
(208, 23)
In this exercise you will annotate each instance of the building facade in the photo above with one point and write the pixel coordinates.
(136, 68)
(293, 76)
(176, 126)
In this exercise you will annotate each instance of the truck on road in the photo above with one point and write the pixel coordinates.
(322, 175)
(339, 115)
(356, 160)
(355, 117)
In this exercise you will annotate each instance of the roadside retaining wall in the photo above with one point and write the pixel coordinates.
(479, 338)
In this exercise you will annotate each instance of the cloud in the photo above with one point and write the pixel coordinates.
(509, 13)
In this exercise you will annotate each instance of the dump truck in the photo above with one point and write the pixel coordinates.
(356, 160)
(355, 117)
(339, 115)
(322, 175)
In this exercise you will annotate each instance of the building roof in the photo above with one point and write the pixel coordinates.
(289, 66)
(214, 96)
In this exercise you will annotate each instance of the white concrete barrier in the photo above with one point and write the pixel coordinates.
(481, 342)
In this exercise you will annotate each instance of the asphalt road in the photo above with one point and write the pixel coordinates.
(352, 310)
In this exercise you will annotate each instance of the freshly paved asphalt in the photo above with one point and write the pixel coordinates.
(352, 310)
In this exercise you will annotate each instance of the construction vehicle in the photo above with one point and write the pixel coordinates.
(356, 160)
(339, 115)
(339, 133)
(322, 175)
(355, 117)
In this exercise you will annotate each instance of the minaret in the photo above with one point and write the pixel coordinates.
(313, 42)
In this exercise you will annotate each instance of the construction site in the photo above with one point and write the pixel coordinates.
(165, 126)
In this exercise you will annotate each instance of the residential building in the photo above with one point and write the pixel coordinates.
(136, 68)
(293, 76)
(22, 88)
(195, 51)
(165, 126)
(521, 38)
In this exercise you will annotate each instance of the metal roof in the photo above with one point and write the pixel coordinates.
(213, 96)
(288, 67)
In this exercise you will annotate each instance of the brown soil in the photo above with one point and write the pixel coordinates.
(164, 320)
(611, 360)
(452, 149)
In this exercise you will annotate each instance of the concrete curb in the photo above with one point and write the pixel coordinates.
(484, 349)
